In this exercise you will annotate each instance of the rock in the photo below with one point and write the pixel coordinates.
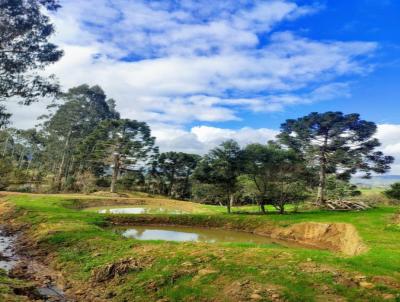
(360, 277)
(205, 271)
(255, 297)
(366, 285)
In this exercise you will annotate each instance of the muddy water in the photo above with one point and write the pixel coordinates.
(135, 210)
(8, 259)
(182, 234)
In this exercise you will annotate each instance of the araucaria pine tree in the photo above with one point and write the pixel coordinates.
(335, 143)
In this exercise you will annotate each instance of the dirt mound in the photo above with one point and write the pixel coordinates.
(339, 237)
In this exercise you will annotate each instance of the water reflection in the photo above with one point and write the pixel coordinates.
(136, 210)
(174, 233)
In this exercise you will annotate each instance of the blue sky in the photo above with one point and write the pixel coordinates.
(375, 95)
(203, 71)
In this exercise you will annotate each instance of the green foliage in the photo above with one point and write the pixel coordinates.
(394, 191)
(221, 167)
(25, 48)
(335, 143)
(171, 172)
(276, 174)
(5, 171)
(338, 189)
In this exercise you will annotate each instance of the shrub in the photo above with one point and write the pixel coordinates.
(394, 191)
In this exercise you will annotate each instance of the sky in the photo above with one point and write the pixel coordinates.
(200, 72)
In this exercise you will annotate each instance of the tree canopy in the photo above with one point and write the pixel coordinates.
(336, 143)
(25, 49)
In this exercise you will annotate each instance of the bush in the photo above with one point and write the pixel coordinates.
(337, 189)
(394, 191)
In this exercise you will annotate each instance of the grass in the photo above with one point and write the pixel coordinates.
(78, 244)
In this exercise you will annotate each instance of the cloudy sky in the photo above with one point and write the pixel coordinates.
(203, 71)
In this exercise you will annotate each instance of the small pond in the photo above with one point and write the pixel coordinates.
(135, 210)
(194, 234)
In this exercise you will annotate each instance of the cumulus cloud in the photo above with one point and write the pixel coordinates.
(201, 139)
(389, 135)
(182, 61)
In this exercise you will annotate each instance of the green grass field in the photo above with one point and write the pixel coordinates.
(78, 244)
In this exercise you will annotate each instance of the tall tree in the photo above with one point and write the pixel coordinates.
(335, 143)
(122, 144)
(83, 109)
(221, 167)
(24, 49)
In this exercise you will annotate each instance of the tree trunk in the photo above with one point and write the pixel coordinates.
(321, 185)
(262, 207)
(5, 146)
(62, 164)
(230, 203)
(322, 174)
(282, 208)
(115, 172)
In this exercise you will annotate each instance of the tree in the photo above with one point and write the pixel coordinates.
(394, 191)
(275, 173)
(221, 167)
(83, 108)
(24, 48)
(4, 117)
(338, 189)
(122, 144)
(335, 143)
(173, 171)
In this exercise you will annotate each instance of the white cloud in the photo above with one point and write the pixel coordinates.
(201, 139)
(178, 62)
(389, 136)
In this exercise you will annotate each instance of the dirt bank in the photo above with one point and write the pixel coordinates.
(338, 237)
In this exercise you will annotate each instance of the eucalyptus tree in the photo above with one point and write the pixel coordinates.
(335, 143)
(83, 108)
(25, 49)
(221, 167)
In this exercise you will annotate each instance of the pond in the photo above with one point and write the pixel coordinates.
(193, 234)
(135, 210)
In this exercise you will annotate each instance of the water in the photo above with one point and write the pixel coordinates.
(7, 257)
(135, 210)
(182, 234)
